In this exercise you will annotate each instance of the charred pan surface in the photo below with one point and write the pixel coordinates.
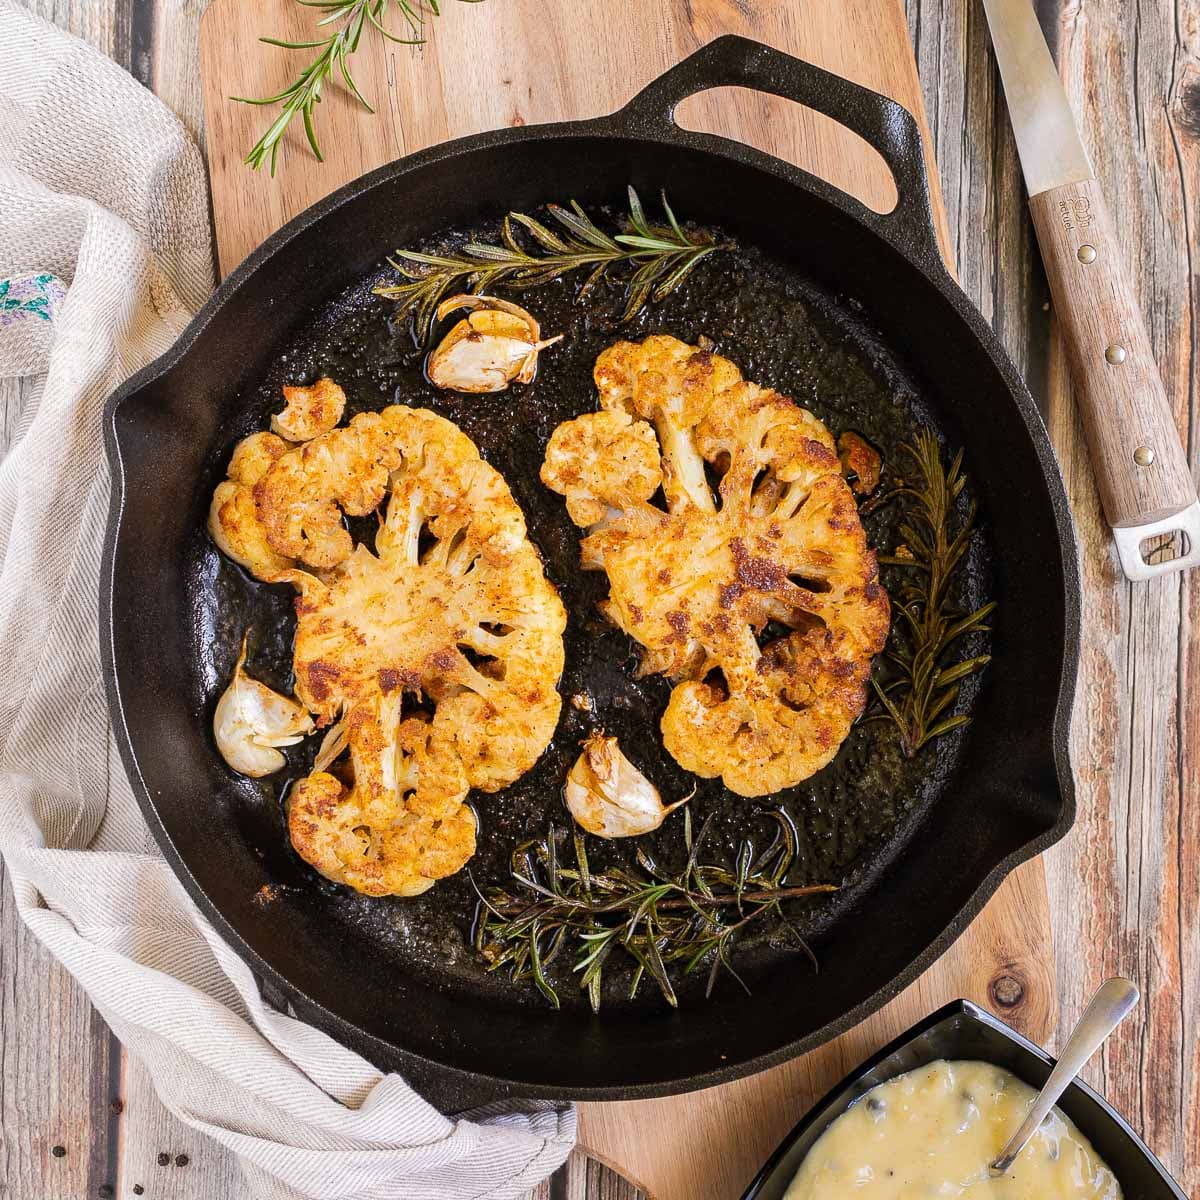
(854, 818)
(781, 542)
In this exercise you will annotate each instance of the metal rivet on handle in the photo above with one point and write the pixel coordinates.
(1087, 254)
(1115, 354)
(1143, 456)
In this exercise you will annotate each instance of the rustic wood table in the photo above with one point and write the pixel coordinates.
(1124, 885)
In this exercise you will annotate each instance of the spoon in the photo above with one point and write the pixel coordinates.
(1112, 1003)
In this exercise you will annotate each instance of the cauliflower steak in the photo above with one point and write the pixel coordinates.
(698, 584)
(433, 658)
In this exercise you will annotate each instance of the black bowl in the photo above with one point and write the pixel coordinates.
(961, 1030)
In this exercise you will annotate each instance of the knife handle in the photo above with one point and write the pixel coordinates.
(1140, 466)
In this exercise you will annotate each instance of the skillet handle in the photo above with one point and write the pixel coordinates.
(733, 61)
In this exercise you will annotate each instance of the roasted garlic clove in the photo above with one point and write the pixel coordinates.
(251, 721)
(497, 343)
(609, 796)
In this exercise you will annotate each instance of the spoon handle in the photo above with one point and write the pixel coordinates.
(1111, 1004)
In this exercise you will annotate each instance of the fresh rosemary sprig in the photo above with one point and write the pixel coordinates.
(351, 18)
(922, 686)
(656, 918)
(665, 255)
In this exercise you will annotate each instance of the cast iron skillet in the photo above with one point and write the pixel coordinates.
(1012, 794)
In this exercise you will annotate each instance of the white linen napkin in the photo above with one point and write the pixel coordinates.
(104, 256)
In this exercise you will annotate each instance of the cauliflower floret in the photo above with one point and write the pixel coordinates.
(696, 585)
(311, 411)
(402, 824)
(467, 622)
(233, 518)
(602, 461)
(300, 500)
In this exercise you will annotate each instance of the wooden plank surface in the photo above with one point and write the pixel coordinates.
(1133, 906)
(1123, 885)
(516, 65)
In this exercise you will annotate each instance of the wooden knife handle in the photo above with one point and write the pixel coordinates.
(1139, 462)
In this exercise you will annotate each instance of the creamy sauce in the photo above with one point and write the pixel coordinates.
(932, 1133)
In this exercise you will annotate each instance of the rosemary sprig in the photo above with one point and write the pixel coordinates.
(351, 19)
(658, 919)
(664, 256)
(923, 685)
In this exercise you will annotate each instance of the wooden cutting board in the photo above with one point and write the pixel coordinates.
(506, 62)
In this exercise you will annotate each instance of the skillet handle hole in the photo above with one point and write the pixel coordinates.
(1165, 547)
(801, 135)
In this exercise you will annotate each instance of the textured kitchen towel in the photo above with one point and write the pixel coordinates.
(104, 256)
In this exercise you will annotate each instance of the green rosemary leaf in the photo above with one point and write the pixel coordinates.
(662, 196)
(956, 722)
(551, 858)
(264, 100)
(535, 966)
(312, 136)
(533, 278)
(723, 957)
(482, 250)
(634, 984)
(373, 11)
(651, 244)
(971, 623)
(680, 273)
(637, 215)
(745, 858)
(887, 703)
(270, 41)
(351, 84)
(960, 670)
(578, 223)
(543, 236)
(433, 260)
(581, 862)
(590, 282)
(658, 970)
(940, 703)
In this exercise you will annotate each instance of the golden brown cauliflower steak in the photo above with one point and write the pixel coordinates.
(698, 584)
(452, 607)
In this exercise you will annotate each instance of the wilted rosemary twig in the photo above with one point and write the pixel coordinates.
(665, 255)
(658, 919)
(351, 18)
(923, 686)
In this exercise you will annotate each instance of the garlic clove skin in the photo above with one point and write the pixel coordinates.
(335, 741)
(609, 797)
(497, 343)
(251, 721)
(474, 302)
